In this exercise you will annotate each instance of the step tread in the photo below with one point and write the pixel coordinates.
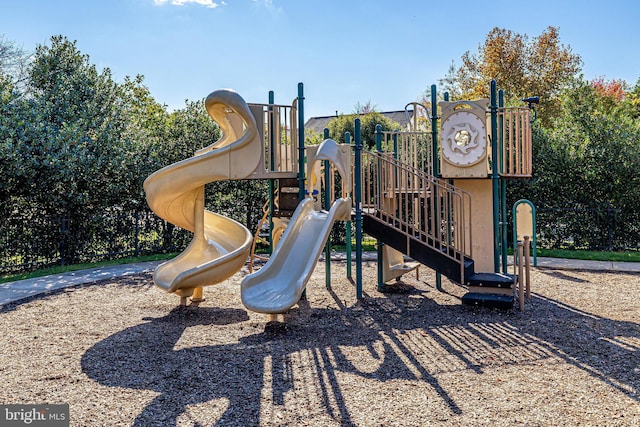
(490, 280)
(488, 300)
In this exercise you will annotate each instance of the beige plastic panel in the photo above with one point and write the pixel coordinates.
(467, 157)
(175, 193)
(524, 221)
(393, 264)
(480, 237)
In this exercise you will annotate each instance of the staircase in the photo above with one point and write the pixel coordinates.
(427, 219)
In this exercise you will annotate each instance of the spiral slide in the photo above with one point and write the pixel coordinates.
(220, 245)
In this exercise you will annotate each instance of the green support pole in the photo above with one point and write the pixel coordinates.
(503, 190)
(301, 152)
(434, 131)
(435, 160)
(327, 206)
(301, 141)
(495, 177)
(357, 171)
(347, 140)
(272, 204)
(395, 144)
(379, 242)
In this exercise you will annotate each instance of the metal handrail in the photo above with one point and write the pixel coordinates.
(401, 195)
(410, 147)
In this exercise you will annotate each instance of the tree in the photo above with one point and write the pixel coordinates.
(69, 157)
(633, 97)
(587, 160)
(77, 152)
(13, 63)
(345, 123)
(366, 108)
(542, 66)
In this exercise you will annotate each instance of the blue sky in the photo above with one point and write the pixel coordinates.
(344, 51)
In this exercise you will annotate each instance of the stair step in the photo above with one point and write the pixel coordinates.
(491, 280)
(488, 290)
(488, 300)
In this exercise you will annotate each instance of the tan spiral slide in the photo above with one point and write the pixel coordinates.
(220, 245)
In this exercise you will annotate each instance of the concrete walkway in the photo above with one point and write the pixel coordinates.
(14, 291)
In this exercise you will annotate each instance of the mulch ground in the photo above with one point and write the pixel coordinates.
(123, 353)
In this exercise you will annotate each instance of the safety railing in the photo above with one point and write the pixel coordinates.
(279, 127)
(412, 148)
(514, 126)
(418, 205)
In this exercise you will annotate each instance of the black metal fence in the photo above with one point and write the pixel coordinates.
(34, 242)
(603, 227)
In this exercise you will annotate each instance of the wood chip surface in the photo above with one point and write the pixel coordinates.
(121, 353)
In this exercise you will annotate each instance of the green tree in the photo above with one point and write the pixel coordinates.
(69, 157)
(588, 160)
(76, 153)
(345, 123)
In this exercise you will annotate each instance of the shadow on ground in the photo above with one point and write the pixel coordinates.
(403, 331)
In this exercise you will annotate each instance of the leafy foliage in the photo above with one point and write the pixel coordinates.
(585, 171)
(542, 66)
(345, 123)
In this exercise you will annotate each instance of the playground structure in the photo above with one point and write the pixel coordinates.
(440, 201)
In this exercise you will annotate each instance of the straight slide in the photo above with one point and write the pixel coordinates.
(278, 285)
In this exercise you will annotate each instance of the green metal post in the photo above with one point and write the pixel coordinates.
(379, 185)
(327, 206)
(271, 163)
(301, 178)
(435, 160)
(495, 177)
(395, 144)
(434, 131)
(357, 171)
(503, 189)
(347, 140)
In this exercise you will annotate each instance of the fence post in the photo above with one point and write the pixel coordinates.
(520, 255)
(495, 177)
(609, 238)
(137, 234)
(527, 265)
(435, 166)
(64, 228)
(380, 196)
